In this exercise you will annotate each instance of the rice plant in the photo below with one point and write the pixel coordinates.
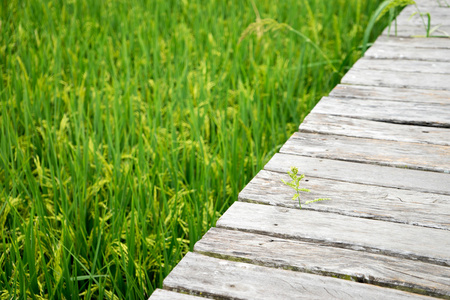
(128, 127)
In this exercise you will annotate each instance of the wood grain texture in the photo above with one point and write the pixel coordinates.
(328, 124)
(387, 238)
(415, 66)
(380, 51)
(436, 43)
(323, 260)
(168, 295)
(421, 181)
(357, 200)
(381, 152)
(391, 94)
(224, 279)
(411, 113)
(397, 79)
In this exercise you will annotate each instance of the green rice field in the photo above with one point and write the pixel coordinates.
(127, 127)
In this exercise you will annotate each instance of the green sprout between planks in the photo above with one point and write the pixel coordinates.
(295, 184)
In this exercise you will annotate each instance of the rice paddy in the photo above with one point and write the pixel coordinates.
(128, 127)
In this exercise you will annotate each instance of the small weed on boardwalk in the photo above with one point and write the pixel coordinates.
(295, 184)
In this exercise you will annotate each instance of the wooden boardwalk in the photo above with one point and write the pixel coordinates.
(379, 147)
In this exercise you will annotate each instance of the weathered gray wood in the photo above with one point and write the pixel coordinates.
(358, 200)
(402, 42)
(423, 4)
(418, 31)
(391, 94)
(168, 295)
(439, 19)
(393, 239)
(410, 15)
(422, 181)
(327, 124)
(429, 114)
(415, 66)
(380, 51)
(414, 276)
(397, 79)
(214, 277)
(410, 22)
(381, 152)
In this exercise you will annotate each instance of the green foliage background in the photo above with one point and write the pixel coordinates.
(128, 127)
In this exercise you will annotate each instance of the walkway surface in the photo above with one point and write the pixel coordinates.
(379, 147)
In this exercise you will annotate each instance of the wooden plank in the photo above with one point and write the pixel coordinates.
(402, 42)
(381, 152)
(417, 31)
(397, 79)
(412, 113)
(358, 200)
(327, 124)
(410, 22)
(430, 182)
(432, 3)
(224, 279)
(380, 51)
(415, 66)
(379, 237)
(169, 295)
(413, 276)
(391, 94)
(410, 15)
